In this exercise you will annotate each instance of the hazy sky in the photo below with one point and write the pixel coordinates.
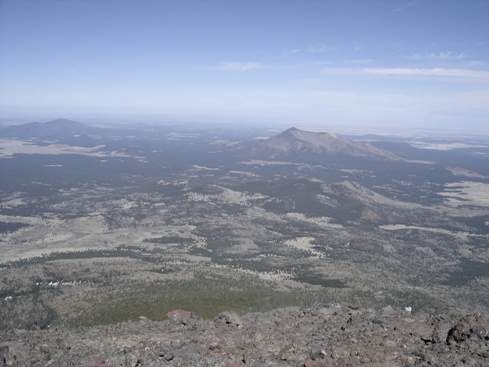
(369, 63)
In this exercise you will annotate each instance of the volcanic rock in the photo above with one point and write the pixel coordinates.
(283, 337)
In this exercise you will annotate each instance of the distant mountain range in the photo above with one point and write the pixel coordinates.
(55, 128)
(296, 142)
(289, 143)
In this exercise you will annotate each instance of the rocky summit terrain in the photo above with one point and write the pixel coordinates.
(323, 335)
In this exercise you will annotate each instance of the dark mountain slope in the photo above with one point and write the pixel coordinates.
(294, 142)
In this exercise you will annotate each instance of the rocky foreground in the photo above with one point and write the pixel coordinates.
(324, 335)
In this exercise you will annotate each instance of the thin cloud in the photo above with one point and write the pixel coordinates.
(448, 55)
(396, 10)
(358, 61)
(240, 67)
(357, 46)
(291, 52)
(436, 72)
(319, 48)
(458, 73)
(475, 63)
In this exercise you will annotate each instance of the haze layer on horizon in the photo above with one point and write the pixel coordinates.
(391, 65)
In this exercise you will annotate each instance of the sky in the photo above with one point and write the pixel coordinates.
(367, 64)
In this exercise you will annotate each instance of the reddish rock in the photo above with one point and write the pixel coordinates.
(310, 363)
(99, 362)
(179, 314)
